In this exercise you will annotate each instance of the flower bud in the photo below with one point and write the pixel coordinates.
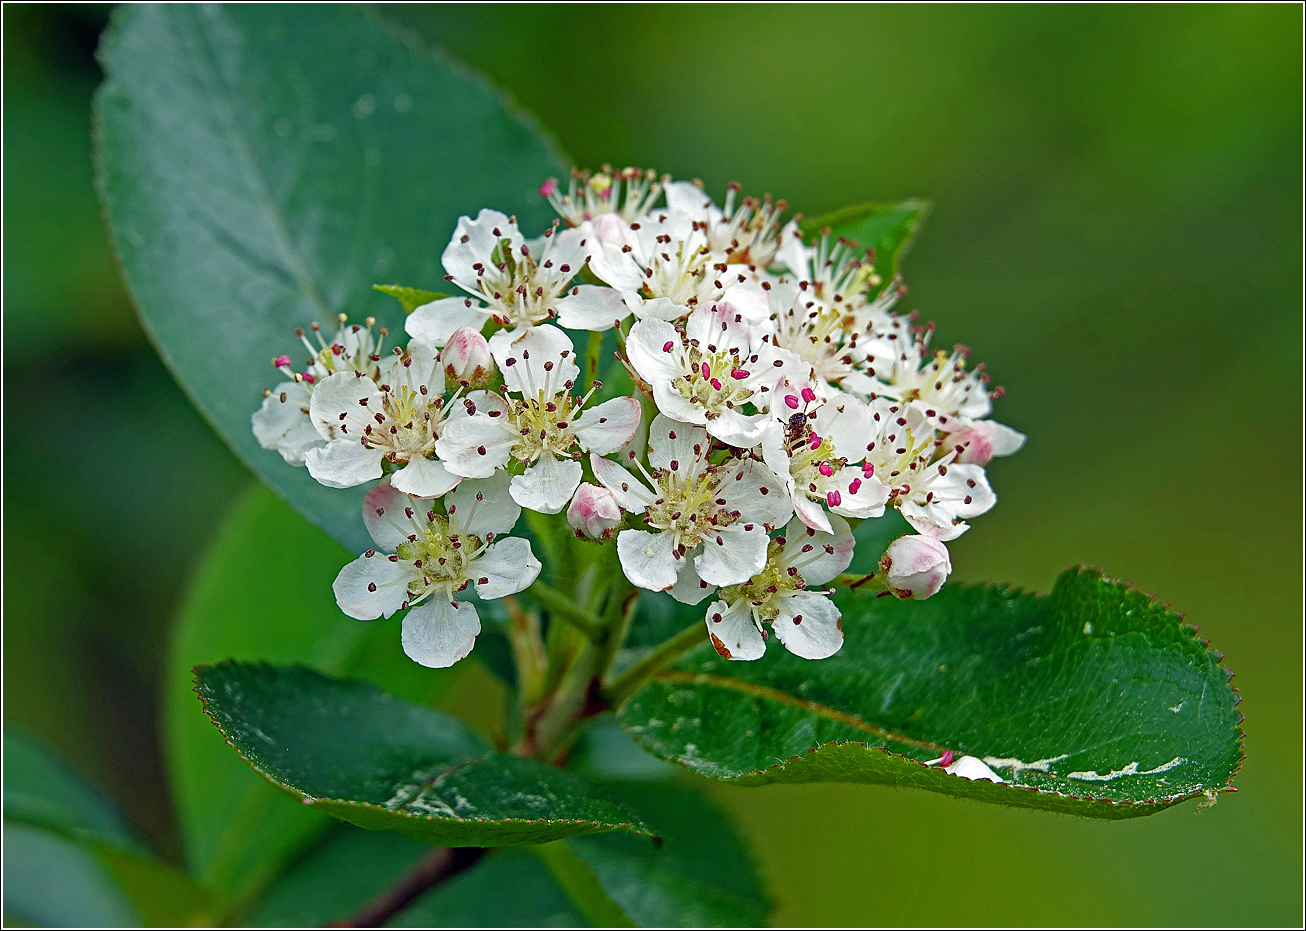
(466, 359)
(983, 440)
(916, 566)
(594, 513)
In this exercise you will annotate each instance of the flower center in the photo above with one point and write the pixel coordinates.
(716, 381)
(410, 422)
(441, 556)
(520, 287)
(689, 507)
(764, 590)
(544, 426)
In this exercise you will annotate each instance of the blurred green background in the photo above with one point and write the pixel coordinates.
(1117, 233)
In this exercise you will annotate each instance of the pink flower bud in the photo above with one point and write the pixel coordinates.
(594, 513)
(916, 566)
(466, 359)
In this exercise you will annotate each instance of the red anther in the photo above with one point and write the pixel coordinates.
(809, 395)
(792, 401)
(825, 469)
(833, 498)
(738, 374)
(668, 346)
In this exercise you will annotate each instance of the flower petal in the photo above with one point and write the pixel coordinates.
(818, 556)
(542, 359)
(343, 404)
(648, 559)
(373, 585)
(631, 494)
(386, 514)
(671, 441)
(756, 493)
(859, 496)
(505, 568)
(592, 307)
(607, 427)
(435, 322)
(438, 633)
(733, 631)
(344, 463)
(808, 624)
(689, 588)
(547, 485)
(482, 506)
(645, 348)
(733, 555)
(473, 242)
(846, 422)
(475, 446)
(425, 478)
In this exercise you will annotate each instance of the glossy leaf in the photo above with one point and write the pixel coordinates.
(361, 755)
(263, 166)
(263, 591)
(888, 229)
(409, 298)
(1094, 700)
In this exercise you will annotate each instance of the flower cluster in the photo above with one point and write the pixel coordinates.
(782, 399)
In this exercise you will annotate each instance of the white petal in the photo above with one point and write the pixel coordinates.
(614, 266)
(818, 556)
(592, 307)
(505, 568)
(1006, 441)
(808, 624)
(670, 441)
(473, 242)
(435, 322)
(733, 631)
(547, 485)
(859, 496)
(475, 446)
(275, 417)
(541, 359)
(419, 368)
(792, 254)
(482, 506)
(749, 299)
(688, 198)
(648, 559)
(739, 430)
(609, 426)
(373, 586)
(846, 422)
(425, 478)
(343, 404)
(811, 513)
(438, 633)
(386, 512)
(757, 494)
(631, 494)
(646, 348)
(656, 308)
(343, 463)
(689, 588)
(969, 767)
(733, 555)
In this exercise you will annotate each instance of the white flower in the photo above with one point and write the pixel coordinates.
(816, 446)
(916, 566)
(713, 372)
(807, 623)
(398, 420)
(935, 495)
(282, 422)
(435, 557)
(664, 268)
(629, 194)
(540, 423)
(466, 359)
(517, 281)
(594, 513)
(706, 522)
(745, 234)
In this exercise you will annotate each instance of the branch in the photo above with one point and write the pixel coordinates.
(562, 607)
(441, 864)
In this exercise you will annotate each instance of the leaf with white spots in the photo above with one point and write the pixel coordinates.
(1093, 700)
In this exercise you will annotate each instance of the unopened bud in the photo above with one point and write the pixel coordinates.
(466, 359)
(915, 566)
(984, 439)
(594, 513)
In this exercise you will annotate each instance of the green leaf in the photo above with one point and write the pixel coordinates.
(1094, 700)
(410, 298)
(477, 899)
(40, 790)
(263, 591)
(363, 756)
(262, 166)
(701, 876)
(888, 229)
(53, 881)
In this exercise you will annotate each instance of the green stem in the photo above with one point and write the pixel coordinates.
(592, 356)
(565, 609)
(868, 583)
(657, 659)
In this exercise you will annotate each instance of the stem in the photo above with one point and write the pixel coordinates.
(527, 649)
(870, 582)
(658, 659)
(441, 864)
(561, 606)
(592, 356)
